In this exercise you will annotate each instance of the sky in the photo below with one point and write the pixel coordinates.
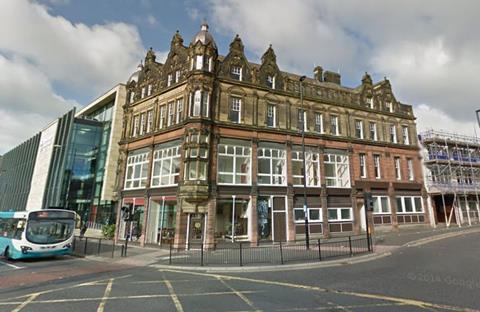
(59, 54)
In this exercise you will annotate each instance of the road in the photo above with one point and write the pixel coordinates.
(440, 276)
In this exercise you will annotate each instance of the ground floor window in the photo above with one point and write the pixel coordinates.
(162, 220)
(314, 215)
(409, 204)
(133, 230)
(232, 218)
(340, 214)
(381, 204)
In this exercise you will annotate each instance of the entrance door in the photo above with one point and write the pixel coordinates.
(279, 220)
(196, 230)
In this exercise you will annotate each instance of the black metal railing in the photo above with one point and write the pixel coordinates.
(243, 253)
(93, 246)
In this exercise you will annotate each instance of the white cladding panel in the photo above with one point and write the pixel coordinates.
(42, 166)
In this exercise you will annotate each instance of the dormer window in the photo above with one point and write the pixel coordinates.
(169, 80)
(177, 76)
(370, 103)
(149, 90)
(132, 96)
(271, 81)
(236, 73)
(143, 92)
(389, 107)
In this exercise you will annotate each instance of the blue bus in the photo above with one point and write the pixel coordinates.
(38, 233)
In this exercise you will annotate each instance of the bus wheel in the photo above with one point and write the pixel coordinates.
(6, 254)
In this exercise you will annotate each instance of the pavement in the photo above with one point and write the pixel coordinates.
(384, 244)
(441, 275)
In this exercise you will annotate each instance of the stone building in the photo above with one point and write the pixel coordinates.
(211, 150)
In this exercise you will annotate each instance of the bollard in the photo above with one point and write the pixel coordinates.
(122, 251)
(350, 245)
(240, 250)
(113, 248)
(85, 248)
(170, 257)
(99, 246)
(319, 251)
(201, 255)
(281, 253)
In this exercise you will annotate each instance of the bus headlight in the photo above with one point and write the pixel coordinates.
(25, 249)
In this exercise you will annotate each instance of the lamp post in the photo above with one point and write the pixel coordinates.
(305, 209)
(477, 112)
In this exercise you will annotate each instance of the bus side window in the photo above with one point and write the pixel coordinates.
(3, 227)
(20, 226)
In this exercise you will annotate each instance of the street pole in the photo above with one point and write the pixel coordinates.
(305, 209)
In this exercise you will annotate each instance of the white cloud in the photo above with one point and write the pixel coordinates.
(426, 48)
(431, 118)
(151, 20)
(41, 54)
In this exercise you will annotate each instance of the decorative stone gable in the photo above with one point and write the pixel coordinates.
(236, 58)
(269, 68)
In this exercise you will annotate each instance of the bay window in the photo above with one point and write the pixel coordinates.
(337, 172)
(234, 162)
(199, 103)
(196, 156)
(272, 169)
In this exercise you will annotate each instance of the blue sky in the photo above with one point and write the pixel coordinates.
(65, 53)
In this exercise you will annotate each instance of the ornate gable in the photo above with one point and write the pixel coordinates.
(177, 59)
(236, 57)
(269, 68)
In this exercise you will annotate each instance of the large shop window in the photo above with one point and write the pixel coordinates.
(166, 164)
(312, 161)
(409, 204)
(381, 204)
(272, 168)
(137, 170)
(162, 220)
(337, 173)
(234, 162)
(232, 218)
(340, 214)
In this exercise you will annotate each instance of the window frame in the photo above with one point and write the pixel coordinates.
(380, 205)
(377, 166)
(297, 157)
(406, 135)
(363, 165)
(359, 128)
(301, 221)
(402, 209)
(235, 106)
(374, 132)
(161, 155)
(246, 153)
(334, 124)
(141, 159)
(393, 134)
(338, 180)
(271, 175)
(397, 167)
(339, 214)
(234, 74)
(273, 118)
(411, 173)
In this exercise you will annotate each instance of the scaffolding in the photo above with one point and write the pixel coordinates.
(452, 169)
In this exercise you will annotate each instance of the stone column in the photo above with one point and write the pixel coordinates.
(356, 212)
(393, 204)
(427, 208)
(211, 220)
(181, 228)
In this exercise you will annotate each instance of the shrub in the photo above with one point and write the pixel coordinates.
(108, 231)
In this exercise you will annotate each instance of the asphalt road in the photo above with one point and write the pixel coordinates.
(440, 276)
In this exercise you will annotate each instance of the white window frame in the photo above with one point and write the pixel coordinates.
(272, 113)
(171, 113)
(138, 161)
(199, 61)
(169, 80)
(237, 71)
(210, 64)
(339, 214)
(236, 106)
(160, 157)
(143, 92)
(359, 126)
(393, 134)
(149, 121)
(319, 122)
(401, 210)
(398, 168)
(373, 128)
(177, 76)
(238, 152)
(363, 167)
(381, 209)
(179, 110)
(271, 81)
(197, 104)
(149, 90)
(320, 214)
(370, 103)
(411, 175)
(273, 177)
(389, 106)
(142, 123)
(310, 163)
(132, 96)
(162, 116)
(337, 160)
(136, 124)
(406, 136)
(305, 119)
(334, 122)
(377, 167)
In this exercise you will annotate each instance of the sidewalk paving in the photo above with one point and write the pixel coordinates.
(384, 244)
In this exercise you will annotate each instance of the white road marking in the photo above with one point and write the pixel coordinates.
(11, 265)
(108, 289)
(24, 304)
(177, 303)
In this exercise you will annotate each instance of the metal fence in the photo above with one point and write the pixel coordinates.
(243, 253)
(92, 246)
